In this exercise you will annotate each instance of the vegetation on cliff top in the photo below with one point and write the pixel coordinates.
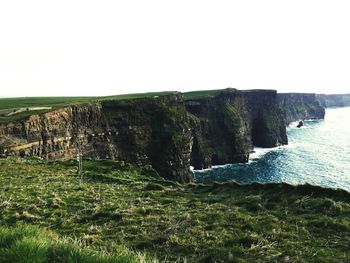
(201, 93)
(8, 105)
(121, 205)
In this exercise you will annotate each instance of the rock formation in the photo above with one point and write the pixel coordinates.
(300, 124)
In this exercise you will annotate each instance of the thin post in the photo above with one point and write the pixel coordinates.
(80, 165)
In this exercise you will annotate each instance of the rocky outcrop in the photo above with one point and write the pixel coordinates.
(152, 131)
(334, 100)
(226, 126)
(300, 106)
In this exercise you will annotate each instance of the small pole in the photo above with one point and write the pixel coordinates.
(80, 165)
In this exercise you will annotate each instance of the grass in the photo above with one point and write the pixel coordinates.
(118, 205)
(26, 243)
(8, 105)
(201, 93)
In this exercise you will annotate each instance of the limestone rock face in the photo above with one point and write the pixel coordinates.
(300, 106)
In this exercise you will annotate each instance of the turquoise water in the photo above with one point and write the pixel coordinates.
(318, 154)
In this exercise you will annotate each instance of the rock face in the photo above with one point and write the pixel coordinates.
(334, 100)
(220, 128)
(300, 106)
(227, 126)
(152, 131)
(267, 118)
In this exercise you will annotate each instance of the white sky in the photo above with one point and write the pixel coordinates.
(101, 47)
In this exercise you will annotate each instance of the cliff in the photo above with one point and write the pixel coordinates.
(151, 131)
(334, 100)
(266, 117)
(300, 106)
(167, 132)
(221, 132)
(228, 124)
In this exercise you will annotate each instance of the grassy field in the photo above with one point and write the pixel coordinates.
(8, 105)
(117, 205)
(26, 243)
(201, 93)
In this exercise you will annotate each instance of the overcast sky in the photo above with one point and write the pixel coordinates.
(101, 47)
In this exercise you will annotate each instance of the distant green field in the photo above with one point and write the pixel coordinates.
(8, 105)
(201, 93)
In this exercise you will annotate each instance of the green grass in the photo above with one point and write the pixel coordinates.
(26, 243)
(8, 105)
(201, 93)
(118, 205)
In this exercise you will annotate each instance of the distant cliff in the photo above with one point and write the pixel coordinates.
(300, 106)
(334, 100)
(167, 132)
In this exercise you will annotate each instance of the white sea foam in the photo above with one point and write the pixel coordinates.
(212, 168)
(316, 154)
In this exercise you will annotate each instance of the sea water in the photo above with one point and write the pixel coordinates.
(318, 154)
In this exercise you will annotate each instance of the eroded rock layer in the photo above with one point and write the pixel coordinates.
(152, 131)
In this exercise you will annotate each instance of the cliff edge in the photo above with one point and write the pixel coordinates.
(170, 132)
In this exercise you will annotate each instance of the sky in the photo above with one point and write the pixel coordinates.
(91, 48)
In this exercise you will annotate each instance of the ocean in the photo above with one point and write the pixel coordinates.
(317, 154)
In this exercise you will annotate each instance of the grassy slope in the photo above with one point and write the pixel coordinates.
(120, 205)
(9, 104)
(26, 243)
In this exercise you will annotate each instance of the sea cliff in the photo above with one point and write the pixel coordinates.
(334, 100)
(153, 131)
(170, 133)
(300, 106)
(227, 125)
